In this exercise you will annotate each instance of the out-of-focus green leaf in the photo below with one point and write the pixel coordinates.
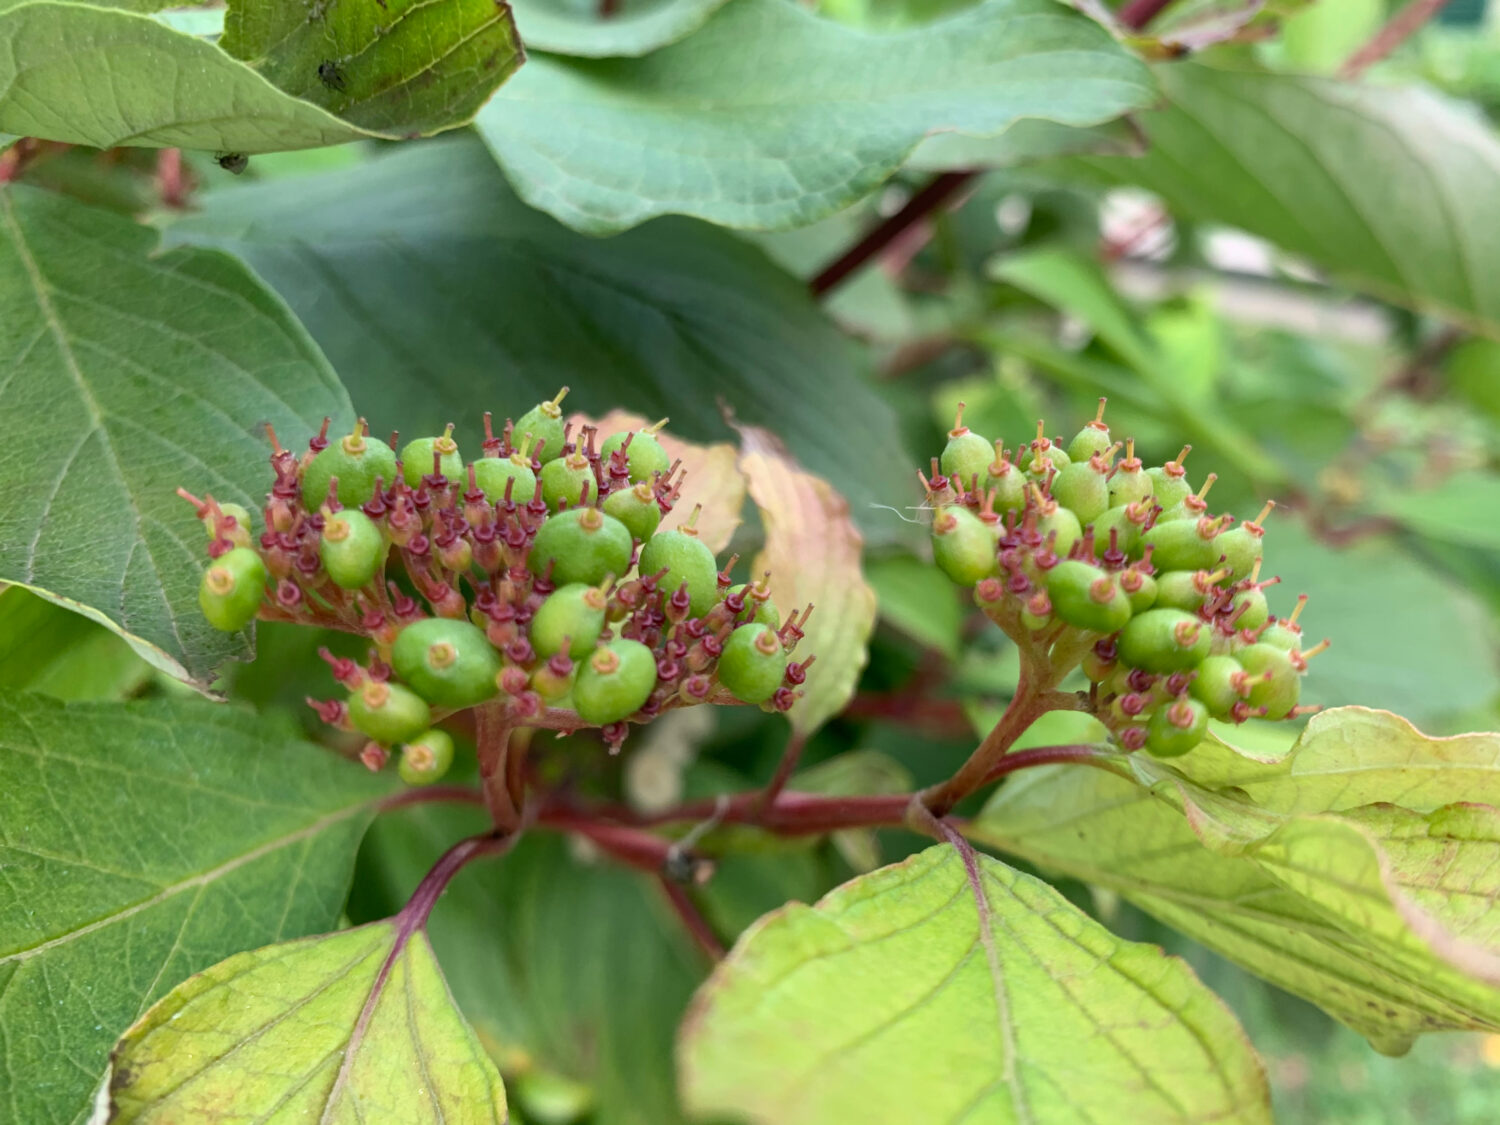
(439, 295)
(125, 375)
(856, 772)
(1320, 38)
(919, 600)
(931, 992)
(632, 27)
(1023, 143)
(771, 117)
(1463, 509)
(46, 649)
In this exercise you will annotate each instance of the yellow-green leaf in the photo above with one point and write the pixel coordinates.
(939, 993)
(350, 1027)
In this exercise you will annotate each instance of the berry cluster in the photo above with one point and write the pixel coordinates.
(535, 576)
(1085, 557)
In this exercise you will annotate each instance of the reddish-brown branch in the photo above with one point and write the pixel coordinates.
(1138, 13)
(789, 759)
(1401, 27)
(433, 794)
(692, 919)
(492, 732)
(942, 718)
(414, 914)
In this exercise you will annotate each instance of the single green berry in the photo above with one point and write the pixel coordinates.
(1176, 728)
(1086, 597)
(1126, 525)
(352, 548)
(573, 611)
(1249, 609)
(1182, 589)
(1005, 482)
(967, 456)
(753, 663)
(241, 534)
(417, 458)
(1083, 487)
(358, 460)
(1164, 641)
(449, 663)
(1193, 506)
(426, 758)
(1275, 683)
(1285, 635)
(1129, 484)
(614, 682)
(1219, 684)
(686, 559)
(564, 480)
(636, 508)
(1055, 520)
(232, 589)
(1243, 546)
(493, 474)
(1139, 587)
(963, 546)
(1092, 440)
(645, 456)
(1169, 483)
(544, 422)
(581, 545)
(1042, 447)
(757, 600)
(387, 712)
(1184, 544)
(1036, 612)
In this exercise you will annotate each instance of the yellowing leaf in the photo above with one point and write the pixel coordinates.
(936, 993)
(813, 552)
(351, 1027)
(711, 478)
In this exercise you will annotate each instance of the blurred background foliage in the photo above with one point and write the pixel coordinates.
(1319, 337)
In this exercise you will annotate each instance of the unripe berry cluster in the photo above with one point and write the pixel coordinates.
(534, 577)
(1081, 554)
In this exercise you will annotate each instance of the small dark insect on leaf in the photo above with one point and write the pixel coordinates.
(233, 162)
(330, 75)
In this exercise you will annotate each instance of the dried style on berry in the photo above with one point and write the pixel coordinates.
(1121, 567)
(530, 579)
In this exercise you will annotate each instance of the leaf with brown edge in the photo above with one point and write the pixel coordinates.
(813, 552)
(710, 477)
(348, 1027)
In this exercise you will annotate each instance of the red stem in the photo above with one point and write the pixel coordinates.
(789, 759)
(1138, 13)
(1401, 27)
(692, 919)
(492, 732)
(418, 908)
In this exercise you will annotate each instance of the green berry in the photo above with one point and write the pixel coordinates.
(1126, 524)
(687, 559)
(1184, 544)
(1169, 483)
(426, 758)
(492, 474)
(1176, 729)
(1219, 684)
(243, 528)
(449, 663)
(1083, 487)
(1275, 683)
(1164, 641)
(352, 548)
(1043, 447)
(1181, 589)
(1139, 587)
(1036, 613)
(758, 600)
(614, 682)
(967, 455)
(1130, 484)
(636, 508)
(417, 458)
(753, 663)
(575, 611)
(1256, 612)
(1087, 597)
(563, 481)
(232, 589)
(1092, 440)
(387, 712)
(1285, 635)
(545, 425)
(644, 458)
(1064, 524)
(582, 545)
(1243, 546)
(963, 546)
(358, 460)
(1006, 485)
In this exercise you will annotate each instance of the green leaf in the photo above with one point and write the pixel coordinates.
(141, 843)
(568, 964)
(634, 27)
(124, 376)
(398, 67)
(928, 992)
(50, 650)
(1453, 511)
(1302, 869)
(1023, 143)
(1396, 190)
(919, 600)
(438, 296)
(811, 118)
(347, 1027)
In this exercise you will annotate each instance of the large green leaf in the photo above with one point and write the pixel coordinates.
(1358, 871)
(141, 843)
(392, 67)
(438, 295)
(123, 376)
(47, 649)
(771, 117)
(634, 27)
(573, 967)
(935, 992)
(345, 1028)
(103, 76)
(1394, 189)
